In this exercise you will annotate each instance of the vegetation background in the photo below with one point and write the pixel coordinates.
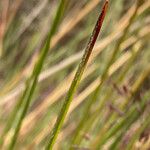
(110, 107)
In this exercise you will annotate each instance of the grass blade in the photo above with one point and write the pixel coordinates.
(76, 79)
(30, 87)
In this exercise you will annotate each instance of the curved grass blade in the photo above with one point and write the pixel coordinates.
(30, 87)
(104, 76)
(76, 79)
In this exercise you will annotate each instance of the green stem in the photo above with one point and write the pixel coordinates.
(103, 78)
(30, 87)
(76, 80)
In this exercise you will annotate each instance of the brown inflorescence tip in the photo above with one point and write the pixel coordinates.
(103, 13)
(106, 3)
(96, 30)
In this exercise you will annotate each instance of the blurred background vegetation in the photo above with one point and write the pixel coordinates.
(110, 112)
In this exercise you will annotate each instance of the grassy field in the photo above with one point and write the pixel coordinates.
(68, 84)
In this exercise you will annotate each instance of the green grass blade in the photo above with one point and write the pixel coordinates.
(76, 79)
(103, 77)
(34, 77)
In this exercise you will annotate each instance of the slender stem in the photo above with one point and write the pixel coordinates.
(104, 76)
(76, 79)
(30, 87)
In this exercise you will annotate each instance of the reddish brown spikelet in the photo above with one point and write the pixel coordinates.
(97, 29)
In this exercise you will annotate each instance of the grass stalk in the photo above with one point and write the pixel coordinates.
(30, 87)
(75, 82)
(77, 137)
